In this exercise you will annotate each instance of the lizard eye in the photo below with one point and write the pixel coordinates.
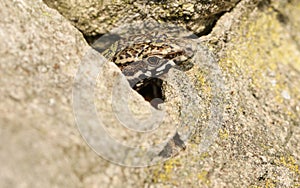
(153, 60)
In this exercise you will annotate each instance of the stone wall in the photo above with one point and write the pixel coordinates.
(256, 45)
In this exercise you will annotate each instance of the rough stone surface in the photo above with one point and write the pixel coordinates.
(198, 16)
(257, 45)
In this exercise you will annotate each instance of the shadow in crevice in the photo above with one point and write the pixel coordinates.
(151, 90)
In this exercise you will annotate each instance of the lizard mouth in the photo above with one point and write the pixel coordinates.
(151, 90)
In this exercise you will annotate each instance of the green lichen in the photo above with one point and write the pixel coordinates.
(289, 162)
(258, 48)
(203, 177)
(263, 50)
(165, 174)
(223, 134)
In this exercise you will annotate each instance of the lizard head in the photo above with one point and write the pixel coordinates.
(153, 56)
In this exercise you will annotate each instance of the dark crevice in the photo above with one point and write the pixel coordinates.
(169, 150)
(280, 16)
(284, 19)
(91, 39)
(208, 29)
(151, 90)
(263, 4)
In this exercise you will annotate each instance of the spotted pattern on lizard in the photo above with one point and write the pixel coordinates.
(151, 58)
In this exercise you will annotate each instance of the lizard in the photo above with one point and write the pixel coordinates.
(146, 57)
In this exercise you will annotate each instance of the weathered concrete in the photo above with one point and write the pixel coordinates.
(258, 51)
(98, 17)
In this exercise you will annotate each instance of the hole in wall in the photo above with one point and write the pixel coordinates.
(151, 90)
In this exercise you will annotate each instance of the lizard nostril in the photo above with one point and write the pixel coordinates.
(151, 90)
